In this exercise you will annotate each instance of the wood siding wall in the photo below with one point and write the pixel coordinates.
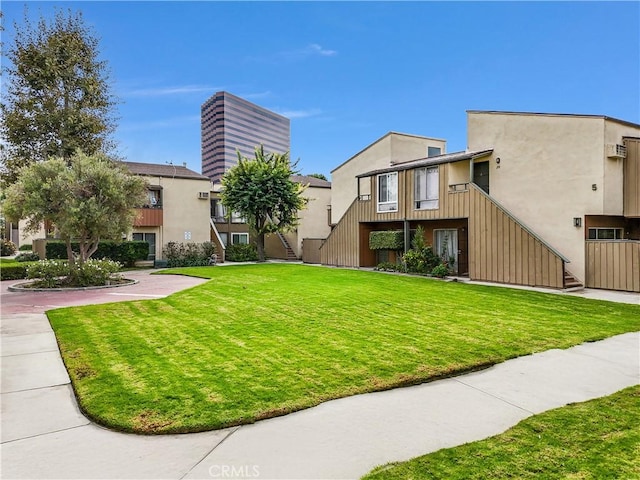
(501, 250)
(342, 246)
(311, 249)
(450, 204)
(148, 217)
(632, 178)
(613, 265)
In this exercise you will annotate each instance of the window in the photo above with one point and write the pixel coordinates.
(154, 199)
(239, 238)
(433, 151)
(388, 192)
(606, 234)
(151, 239)
(237, 218)
(427, 187)
(218, 210)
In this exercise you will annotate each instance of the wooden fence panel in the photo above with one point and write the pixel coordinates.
(502, 250)
(613, 265)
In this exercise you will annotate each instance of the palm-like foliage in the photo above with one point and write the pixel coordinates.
(261, 191)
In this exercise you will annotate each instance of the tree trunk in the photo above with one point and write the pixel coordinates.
(70, 255)
(260, 246)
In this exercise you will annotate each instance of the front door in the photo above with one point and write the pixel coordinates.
(481, 175)
(463, 251)
(446, 247)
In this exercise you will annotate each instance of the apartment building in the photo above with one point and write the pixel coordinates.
(537, 199)
(177, 207)
(313, 223)
(230, 124)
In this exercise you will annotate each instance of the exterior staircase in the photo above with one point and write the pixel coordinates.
(571, 283)
(291, 254)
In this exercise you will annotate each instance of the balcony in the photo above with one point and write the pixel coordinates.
(148, 217)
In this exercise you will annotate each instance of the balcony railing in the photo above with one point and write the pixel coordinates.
(149, 217)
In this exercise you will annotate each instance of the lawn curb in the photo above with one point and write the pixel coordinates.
(20, 287)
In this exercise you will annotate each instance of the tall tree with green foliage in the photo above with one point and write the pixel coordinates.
(87, 198)
(261, 190)
(58, 95)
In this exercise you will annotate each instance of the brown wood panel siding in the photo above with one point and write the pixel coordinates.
(632, 178)
(342, 247)
(148, 217)
(311, 249)
(613, 265)
(501, 250)
(450, 204)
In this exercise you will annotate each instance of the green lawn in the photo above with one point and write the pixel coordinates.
(599, 439)
(259, 341)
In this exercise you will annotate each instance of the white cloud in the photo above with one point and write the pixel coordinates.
(175, 90)
(158, 124)
(312, 112)
(315, 48)
(311, 50)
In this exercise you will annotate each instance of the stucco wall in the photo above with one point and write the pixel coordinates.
(548, 165)
(186, 217)
(394, 147)
(314, 221)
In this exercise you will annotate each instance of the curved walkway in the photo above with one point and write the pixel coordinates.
(44, 435)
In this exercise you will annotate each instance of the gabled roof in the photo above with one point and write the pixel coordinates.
(382, 138)
(311, 181)
(429, 161)
(163, 170)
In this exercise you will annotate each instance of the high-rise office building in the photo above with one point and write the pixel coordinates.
(230, 123)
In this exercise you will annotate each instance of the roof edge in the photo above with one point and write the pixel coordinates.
(382, 138)
(551, 114)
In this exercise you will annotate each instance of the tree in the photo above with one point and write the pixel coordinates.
(262, 191)
(87, 198)
(321, 176)
(57, 98)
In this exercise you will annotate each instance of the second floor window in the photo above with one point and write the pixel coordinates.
(427, 188)
(154, 199)
(388, 192)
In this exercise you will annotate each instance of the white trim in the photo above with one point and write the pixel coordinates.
(215, 230)
(389, 203)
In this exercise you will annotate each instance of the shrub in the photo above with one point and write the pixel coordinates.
(7, 248)
(27, 247)
(440, 270)
(188, 254)
(95, 272)
(420, 261)
(13, 271)
(48, 272)
(388, 267)
(57, 273)
(125, 253)
(242, 253)
(386, 240)
(27, 257)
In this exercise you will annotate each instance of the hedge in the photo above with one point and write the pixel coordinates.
(241, 253)
(387, 240)
(13, 271)
(124, 252)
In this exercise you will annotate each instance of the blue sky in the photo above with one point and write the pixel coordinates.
(346, 73)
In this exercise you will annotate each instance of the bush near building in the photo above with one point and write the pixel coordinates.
(126, 253)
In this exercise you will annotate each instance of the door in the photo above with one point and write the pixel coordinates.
(446, 244)
(463, 252)
(481, 175)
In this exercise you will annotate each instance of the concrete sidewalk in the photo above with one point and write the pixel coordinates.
(44, 435)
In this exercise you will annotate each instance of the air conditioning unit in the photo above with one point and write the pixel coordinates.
(203, 195)
(615, 150)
